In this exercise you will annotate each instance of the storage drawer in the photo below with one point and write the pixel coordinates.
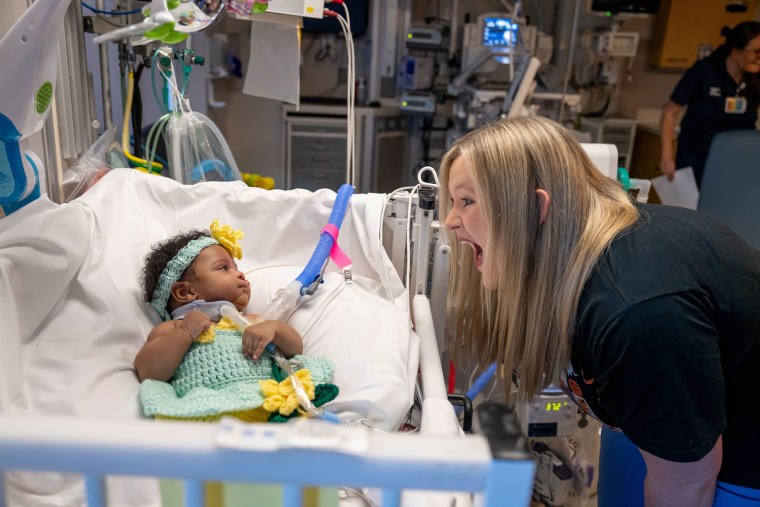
(622, 141)
(312, 125)
(317, 144)
(316, 179)
(324, 161)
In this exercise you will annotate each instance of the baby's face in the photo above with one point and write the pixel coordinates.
(215, 277)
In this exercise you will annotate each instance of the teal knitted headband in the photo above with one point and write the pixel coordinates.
(173, 271)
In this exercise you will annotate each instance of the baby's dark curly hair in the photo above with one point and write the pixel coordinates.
(160, 255)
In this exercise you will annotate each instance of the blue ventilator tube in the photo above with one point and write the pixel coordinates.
(312, 273)
(479, 384)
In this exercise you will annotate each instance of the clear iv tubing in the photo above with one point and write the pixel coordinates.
(242, 322)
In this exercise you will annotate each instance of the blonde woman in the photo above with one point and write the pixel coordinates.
(647, 316)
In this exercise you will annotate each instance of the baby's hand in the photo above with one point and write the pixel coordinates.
(257, 337)
(195, 323)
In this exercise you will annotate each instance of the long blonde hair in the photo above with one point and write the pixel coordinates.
(527, 322)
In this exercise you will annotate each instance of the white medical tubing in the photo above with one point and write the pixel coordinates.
(235, 316)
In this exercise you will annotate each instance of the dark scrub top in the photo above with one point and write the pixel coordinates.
(704, 88)
(667, 344)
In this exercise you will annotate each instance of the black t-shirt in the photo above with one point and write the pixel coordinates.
(704, 88)
(667, 344)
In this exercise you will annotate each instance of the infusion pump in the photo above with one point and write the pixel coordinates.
(550, 414)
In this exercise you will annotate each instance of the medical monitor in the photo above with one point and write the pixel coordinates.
(625, 6)
(499, 32)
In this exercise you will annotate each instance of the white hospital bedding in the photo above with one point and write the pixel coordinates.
(72, 319)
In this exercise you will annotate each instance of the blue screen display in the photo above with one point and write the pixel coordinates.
(499, 32)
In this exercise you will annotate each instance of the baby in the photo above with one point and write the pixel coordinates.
(187, 279)
(197, 364)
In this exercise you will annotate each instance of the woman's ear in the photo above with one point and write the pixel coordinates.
(544, 203)
(183, 293)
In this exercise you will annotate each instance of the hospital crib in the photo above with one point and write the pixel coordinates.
(71, 430)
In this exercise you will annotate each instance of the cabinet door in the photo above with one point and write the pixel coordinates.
(682, 26)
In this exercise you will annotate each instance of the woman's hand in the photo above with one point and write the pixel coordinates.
(668, 167)
(670, 112)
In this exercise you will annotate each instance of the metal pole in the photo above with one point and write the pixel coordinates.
(570, 56)
(105, 82)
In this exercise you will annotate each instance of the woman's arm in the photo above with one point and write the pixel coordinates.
(670, 112)
(671, 484)
(259, 335)
(167, 344)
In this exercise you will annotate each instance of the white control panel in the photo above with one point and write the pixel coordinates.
(615, 44)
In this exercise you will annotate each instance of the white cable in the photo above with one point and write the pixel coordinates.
(409, 225)
(352, 86)
(350, 99)
(388, 199)
(412, 190)
(349, 122)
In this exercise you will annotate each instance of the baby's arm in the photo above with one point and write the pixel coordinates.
(167, 344)
(261, 334)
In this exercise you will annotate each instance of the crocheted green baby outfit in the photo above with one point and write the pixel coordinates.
(215, 378)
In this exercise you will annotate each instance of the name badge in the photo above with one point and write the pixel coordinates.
(735, 105)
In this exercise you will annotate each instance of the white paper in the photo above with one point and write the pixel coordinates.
(274, 61)
(682, 191)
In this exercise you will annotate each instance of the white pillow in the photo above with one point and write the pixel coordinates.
(368, 338)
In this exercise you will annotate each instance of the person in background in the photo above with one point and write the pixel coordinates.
(721, 93)
(647, 316)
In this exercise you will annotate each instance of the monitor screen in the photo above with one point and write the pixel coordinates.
(632, 6)
(499, 32)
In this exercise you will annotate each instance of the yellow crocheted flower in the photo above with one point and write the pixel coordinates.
(282, 397)
(209, 335)
(228, 238)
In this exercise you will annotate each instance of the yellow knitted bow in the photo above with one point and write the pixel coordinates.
(282, 396)
(228, 238)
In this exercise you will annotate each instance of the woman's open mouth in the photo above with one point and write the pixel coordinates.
(477, 250)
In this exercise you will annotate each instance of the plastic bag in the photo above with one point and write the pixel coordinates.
(197, 151)
(105, 154)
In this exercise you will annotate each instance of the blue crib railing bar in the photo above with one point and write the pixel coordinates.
(95, 487)
(391, 498)
(195, 492)
(189, 451)
(292, 496)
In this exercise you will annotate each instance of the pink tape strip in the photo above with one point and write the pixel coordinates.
(336, 254)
